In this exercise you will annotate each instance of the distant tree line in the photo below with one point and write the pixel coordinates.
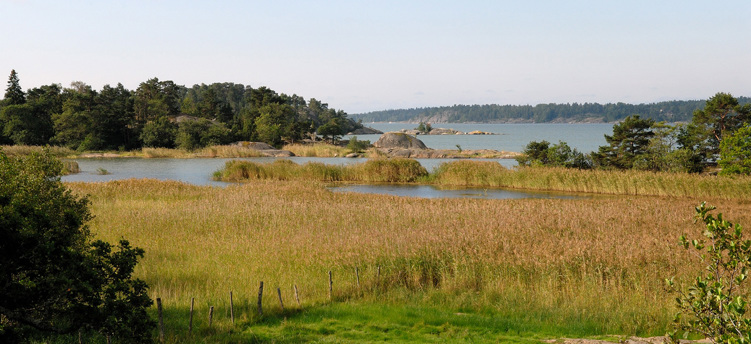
(161, 114)
(668, 111)
(718, 134)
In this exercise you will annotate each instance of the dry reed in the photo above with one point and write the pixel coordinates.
(571, 260)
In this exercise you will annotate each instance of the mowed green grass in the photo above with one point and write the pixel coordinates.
(451, 270)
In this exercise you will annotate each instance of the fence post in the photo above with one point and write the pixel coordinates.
(331, 286)
(260, 297)
(357, 275)
(279, 292)
(297, 297)
(190, 322)
(161, 320)
(231, 308)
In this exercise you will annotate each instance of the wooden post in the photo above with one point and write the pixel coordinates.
(331, 286)
(161, 319)
(260, 297)
(190, 322)
(231, 308)
(211, 315)
(357, 275)
(297, 297)
(279, 292)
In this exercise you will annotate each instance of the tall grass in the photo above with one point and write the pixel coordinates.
(14, 150)
(492, 174)
(563, 267)
(631, 182)
(226, 151)
(373, 171)
(316, 150)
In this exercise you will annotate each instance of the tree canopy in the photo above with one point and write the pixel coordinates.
(115, 118)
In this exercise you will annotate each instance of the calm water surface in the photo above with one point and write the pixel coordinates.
(512, 137)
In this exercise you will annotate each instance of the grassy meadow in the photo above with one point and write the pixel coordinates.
(430, 270)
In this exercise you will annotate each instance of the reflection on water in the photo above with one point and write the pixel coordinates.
(428, 191)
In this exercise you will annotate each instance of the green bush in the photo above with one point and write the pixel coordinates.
(735, 152)
(715, 304)
(55, 279)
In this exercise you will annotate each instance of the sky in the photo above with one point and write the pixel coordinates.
(361, 56)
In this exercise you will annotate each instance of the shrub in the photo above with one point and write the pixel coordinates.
(716, 302)
(54, 277)
(735, 152)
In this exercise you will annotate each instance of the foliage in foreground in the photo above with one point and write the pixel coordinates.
(54, 278)
(716, 303)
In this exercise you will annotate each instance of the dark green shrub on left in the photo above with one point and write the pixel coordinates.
(55, 279)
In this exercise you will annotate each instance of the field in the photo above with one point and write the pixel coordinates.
(430, 270)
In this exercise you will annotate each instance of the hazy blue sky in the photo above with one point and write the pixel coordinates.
(371, 55)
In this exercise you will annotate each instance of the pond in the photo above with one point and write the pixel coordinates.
(198, 171)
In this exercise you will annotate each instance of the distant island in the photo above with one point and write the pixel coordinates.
(669, 111)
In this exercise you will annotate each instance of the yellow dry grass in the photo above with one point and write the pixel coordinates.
(570, 259)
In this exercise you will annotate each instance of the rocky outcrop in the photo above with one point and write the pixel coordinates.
(399, 140)
(266, 149)
(444, 131)
(365, 131)
(447, 153)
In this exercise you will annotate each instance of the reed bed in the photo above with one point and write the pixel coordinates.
(492, 174)
(322, 150)
(226, 151)
(395, 170)
(57, 151)
(559, 263)
(631, 182)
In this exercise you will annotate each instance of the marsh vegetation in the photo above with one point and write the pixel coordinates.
(430, 269)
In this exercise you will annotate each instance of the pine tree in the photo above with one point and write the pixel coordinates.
(14, 94)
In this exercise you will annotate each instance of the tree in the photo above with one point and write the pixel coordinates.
(715, 304)
(26, 124)
(193, 134)
(735, 152)
(14, 94)
(357, 146)
(543, 154)
(54, 277)
(73, 127)
(723, 115)
(424, 127)
(273, 122)
(159, 133)
(630, 139)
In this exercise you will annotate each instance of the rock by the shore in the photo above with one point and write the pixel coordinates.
(447, 153)
(444, 131)
(399, 140)
(265, 149)
(365, 131)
